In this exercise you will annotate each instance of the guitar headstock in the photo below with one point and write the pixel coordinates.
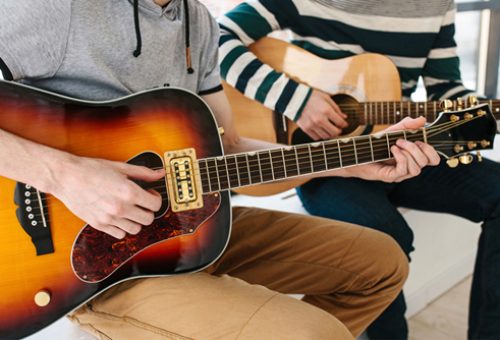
(454, 134)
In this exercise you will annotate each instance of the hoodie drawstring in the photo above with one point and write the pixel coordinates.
(188, 47)
(138, 48)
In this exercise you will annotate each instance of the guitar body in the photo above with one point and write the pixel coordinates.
(75, 262)
(352, 80)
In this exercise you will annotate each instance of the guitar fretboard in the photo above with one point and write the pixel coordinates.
(388, 113)
(233, 171)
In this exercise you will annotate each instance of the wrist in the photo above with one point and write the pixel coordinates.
(54, 166)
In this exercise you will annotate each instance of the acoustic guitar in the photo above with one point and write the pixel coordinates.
(367, 88)
(51, 262)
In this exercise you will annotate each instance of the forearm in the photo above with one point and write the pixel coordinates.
(29, 162)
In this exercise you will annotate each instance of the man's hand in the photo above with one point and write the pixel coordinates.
(322, 117)
(409, 158)
(103, 194)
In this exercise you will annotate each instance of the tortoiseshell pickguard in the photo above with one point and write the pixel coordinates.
(97, 255)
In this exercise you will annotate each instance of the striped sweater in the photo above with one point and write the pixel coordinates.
(417, 35)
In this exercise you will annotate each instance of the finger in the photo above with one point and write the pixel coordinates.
(127, 225)
(413, 168)
(401, 167)
(330, 129)
(335, 115)
(142, 173)
(324, 135)
(312, 133)
(408, 123)
(146, 199)
(415, 152)
(432, 155)
(139, 215)
(111, 230)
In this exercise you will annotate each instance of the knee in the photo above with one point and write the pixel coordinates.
(390, 262)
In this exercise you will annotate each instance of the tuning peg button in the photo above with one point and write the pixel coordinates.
(466, 159)
(447, 105)
(452, 162)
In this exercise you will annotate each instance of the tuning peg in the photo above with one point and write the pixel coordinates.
(472, 100)
(466, 159)
(460, 103)
(452, 162)
(479, 156)
(485, 143)
(471, 145)
(447, 105)
(458, 148)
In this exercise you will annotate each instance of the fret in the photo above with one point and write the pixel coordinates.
(220, 164)
(310, 156)
(348, 150)
(366, 113)
(394, 112)
(297, 159)
(317, 156)
(243, 169)
(376, 114)
(303, 159)
(232, 168)
(278, 163)
(425, 111)
(215, 183)
(363, 149)
(332, 151)
(371, 147)
(271, 162)
(324, 155)
(417, 109)
(435, 110)
(388, 145)
(404, 134)
(260, 168)
(371, 114)
(254, 166)
(291, 164)
(388, 114)
(284, 163)
(265, 164)
(204, 174)
(355, 151)
(340, 153)
(248, 168)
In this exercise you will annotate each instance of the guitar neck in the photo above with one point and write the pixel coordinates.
(391, 112)
(238, 170)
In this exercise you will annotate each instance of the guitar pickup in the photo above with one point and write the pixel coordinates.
(183, 180)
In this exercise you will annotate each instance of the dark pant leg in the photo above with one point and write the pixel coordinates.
(472, 192)
(364, 203)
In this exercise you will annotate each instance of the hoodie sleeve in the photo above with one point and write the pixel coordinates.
(33, 36)
(209, 76)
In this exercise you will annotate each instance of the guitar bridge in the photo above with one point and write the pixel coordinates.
(183, 180)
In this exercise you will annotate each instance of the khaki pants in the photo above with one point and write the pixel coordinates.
(348, 274)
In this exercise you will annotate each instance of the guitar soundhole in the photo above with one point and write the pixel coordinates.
(350, 106)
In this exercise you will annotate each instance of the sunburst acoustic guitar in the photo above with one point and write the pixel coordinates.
(51, 262)
(367, 88)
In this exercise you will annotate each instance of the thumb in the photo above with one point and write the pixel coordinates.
(408, 123)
